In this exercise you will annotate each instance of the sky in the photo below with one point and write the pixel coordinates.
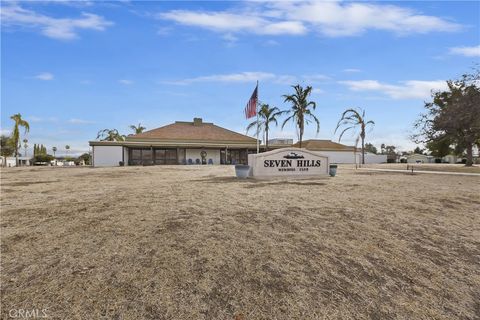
(74, 68)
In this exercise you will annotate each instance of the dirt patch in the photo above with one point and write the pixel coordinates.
(193, 242)
(26, 183)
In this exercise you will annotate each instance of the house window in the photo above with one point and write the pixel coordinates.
(171, 156)
(135, 156)
(160, 156)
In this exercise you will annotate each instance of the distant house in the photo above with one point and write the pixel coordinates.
(11, 161)
(450, 159)
(280, 142)
(56, 162)
(420, 158)
(340, 153)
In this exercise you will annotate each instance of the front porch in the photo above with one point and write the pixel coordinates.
(184, 156)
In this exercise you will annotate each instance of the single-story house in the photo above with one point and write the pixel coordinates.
(420, 158)
(451, 159)
(182, 142)
(280, 142)
(340, 153)
(12, 162)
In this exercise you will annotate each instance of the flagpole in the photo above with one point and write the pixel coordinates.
(258, 124)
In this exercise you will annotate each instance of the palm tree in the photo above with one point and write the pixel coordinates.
(137, 129)
(19, 122)
(110, 135)
(301, 111)
(266, 116)
(67, 147)
(353, 119)
(54, 149)
(25, 146)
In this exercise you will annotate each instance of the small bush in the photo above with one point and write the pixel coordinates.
(43, 158)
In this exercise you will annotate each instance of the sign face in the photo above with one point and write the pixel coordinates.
(288, 162)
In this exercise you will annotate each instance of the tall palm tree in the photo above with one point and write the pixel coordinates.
(301, 111)
(25, 146)
(19, 122)
(353, 119)
(137, 129)
(54, 149)
(67, 147)
(110, 135)
(266, 116)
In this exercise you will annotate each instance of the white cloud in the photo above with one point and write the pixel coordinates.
(79, 121)
(271, 43)
(335, 18)
(316, 78)
(245, 77)
(412, 89)
(233, 22)
(39, 119)
(45, 76)
(330, 18)
(5, 132)
(466, 51)
(232, 77)
(351, 70)
(164, 31)
(57, 28)
(230, 39)
(125, 82)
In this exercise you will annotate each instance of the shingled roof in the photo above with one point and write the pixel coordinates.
(192, 131)
(323, 145)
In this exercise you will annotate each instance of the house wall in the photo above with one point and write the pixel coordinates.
(375, 158)
(194, 154)
(349, 157)
(125, 156)
(341, 156)
(450, 159)
(417, 157)
(107, 156)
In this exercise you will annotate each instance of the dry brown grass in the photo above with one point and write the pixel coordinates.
(426, 167)
(195, 243)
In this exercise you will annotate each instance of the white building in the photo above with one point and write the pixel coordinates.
(339, 153)
(12, 162)
(420, 158)
(199, 142)
(181, 142)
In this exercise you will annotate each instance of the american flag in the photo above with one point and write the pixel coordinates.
(251, 108)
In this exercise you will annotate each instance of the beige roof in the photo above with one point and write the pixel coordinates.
(192, 131)
(323, 145)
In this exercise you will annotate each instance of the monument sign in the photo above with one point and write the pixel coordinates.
(288, 162)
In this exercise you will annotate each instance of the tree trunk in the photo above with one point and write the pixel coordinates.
(469, 155)
(363, 150)
(301, 135)
(16, 154)
(266, 139)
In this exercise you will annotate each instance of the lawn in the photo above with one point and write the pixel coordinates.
(426, 167)
(192, 242)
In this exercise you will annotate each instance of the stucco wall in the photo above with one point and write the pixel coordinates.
(107, 156)
(195, 154)
(340, 156)
(417, 157)
(349, 157)
(375, 158)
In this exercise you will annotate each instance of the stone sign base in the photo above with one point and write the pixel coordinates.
(288, 162)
